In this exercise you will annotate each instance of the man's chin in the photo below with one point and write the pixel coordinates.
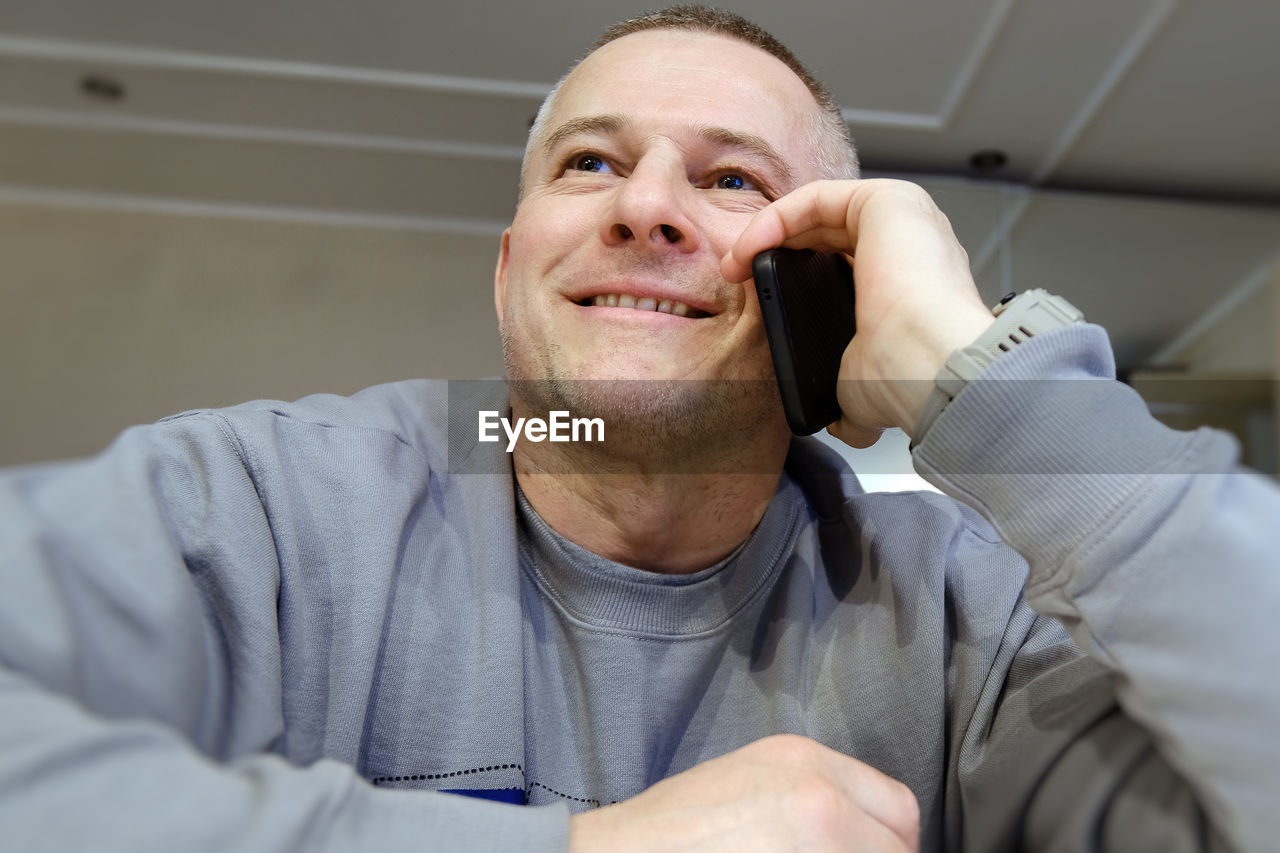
(672, 417)
(643, 400)
(624, 399)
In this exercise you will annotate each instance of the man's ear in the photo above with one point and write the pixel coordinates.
(500, 276)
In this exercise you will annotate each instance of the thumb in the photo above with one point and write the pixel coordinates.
(853, 435)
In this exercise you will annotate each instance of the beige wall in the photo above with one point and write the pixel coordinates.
(1228, 378)
(111, 319)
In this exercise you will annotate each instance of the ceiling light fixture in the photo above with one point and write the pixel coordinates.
(988, 160)
(102, 88)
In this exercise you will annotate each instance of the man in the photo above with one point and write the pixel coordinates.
(282, 626)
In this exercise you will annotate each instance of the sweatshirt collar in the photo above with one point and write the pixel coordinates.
(604, 594)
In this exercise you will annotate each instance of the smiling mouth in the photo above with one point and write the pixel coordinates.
(643, 303)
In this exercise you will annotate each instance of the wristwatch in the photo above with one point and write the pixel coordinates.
(1019, 317)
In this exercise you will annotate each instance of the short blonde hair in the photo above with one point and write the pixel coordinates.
(828, 137)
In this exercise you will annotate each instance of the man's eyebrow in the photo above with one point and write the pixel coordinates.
(721, 137)
(605, 124)
(752, 144)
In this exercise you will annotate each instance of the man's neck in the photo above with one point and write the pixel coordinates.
(671, 523)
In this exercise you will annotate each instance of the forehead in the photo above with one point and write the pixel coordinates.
(671, 76)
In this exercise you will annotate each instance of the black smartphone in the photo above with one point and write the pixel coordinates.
(806, 298)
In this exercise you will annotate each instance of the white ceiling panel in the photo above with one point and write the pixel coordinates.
(898, 58)
(1043, 68)
(1200, 112)
(259, 173)
(413, 112)
(975, 210)
(1145, 269)
(858, 46)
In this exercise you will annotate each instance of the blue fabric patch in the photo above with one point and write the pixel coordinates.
(514, 796)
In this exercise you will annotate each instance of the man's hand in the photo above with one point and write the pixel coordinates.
(916, 302)
(784, 792)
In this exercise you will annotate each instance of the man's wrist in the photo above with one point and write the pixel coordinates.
(909, 396)
(1018, 318)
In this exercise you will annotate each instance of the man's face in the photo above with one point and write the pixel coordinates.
(660, 148)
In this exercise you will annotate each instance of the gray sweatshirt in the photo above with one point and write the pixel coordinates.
(292, 626)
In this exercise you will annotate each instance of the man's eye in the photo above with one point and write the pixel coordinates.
(588, 163)
(733, 182)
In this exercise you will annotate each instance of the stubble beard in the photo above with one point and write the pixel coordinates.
(655, 425)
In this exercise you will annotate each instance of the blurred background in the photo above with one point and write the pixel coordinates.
(207, 202)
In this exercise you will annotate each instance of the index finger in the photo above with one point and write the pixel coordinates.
(822, 214)
(883, 798)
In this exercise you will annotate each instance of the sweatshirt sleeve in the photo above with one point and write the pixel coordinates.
(140, 674)
(1162, 559)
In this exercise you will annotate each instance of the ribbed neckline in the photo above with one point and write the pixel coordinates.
(615, 597)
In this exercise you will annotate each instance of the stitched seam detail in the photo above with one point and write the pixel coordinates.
(425, 777)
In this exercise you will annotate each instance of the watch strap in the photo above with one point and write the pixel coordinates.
(1018, 319)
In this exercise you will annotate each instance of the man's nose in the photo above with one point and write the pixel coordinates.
(651, 209)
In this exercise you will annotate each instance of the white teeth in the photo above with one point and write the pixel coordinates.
(643, 303)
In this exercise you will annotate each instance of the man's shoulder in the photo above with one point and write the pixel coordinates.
(832, 488)
(413, 411)
(924, 539)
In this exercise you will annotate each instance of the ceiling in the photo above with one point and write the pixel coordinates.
(1139, 138)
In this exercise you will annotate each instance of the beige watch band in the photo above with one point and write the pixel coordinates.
(1018, 319)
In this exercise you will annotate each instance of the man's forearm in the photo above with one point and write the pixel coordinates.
(1157, 554)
